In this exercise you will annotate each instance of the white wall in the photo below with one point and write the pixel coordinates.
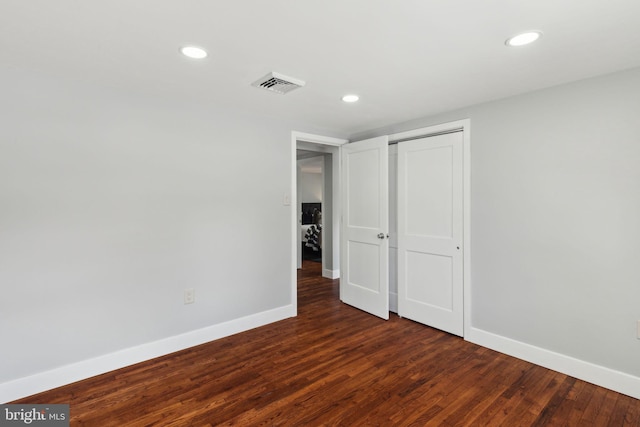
(555, 209)
(310, 187)
(330, 235)
(112, 205)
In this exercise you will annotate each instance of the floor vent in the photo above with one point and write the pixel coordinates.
(276, 82)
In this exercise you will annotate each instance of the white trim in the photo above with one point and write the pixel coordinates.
(426, 131)
(330, 274)
(294, 224)
(466, 248)
(316, 139)
(43, 381)
(586, 371)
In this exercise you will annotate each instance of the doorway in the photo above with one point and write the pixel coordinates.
(314, 174)
(355, 265)
(328, 149)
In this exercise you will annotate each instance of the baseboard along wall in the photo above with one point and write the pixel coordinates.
(586, 371)
(68, 374)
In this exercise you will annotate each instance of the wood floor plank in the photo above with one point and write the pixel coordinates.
(604, 416)
(334, 365)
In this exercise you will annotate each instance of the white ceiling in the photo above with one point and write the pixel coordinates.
(405, 58)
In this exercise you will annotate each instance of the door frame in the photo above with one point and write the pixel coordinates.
(465, 126)
(320, 140)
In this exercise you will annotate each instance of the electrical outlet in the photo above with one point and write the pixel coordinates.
(189, 296)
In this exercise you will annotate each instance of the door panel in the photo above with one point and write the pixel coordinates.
(361, 274)
(428, 279)
(363, 212)
(430, 193)
(365, 256)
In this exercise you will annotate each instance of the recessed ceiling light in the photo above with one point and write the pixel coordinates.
(350, 98)
(193, 52)
(523, 38)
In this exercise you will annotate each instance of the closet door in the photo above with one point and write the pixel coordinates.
(364, 263)
(430, 226)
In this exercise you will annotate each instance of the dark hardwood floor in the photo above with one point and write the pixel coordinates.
(337, 366)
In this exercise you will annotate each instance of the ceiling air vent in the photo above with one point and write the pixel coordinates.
(276, 82)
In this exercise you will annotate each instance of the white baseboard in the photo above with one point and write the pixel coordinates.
(393, 302)
(43, 381)
(586, 371)
(330, 274)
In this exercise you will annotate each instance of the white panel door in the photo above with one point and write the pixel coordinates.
(430, 226)
(364, 267)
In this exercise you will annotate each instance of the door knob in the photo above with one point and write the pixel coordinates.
(380, 235)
